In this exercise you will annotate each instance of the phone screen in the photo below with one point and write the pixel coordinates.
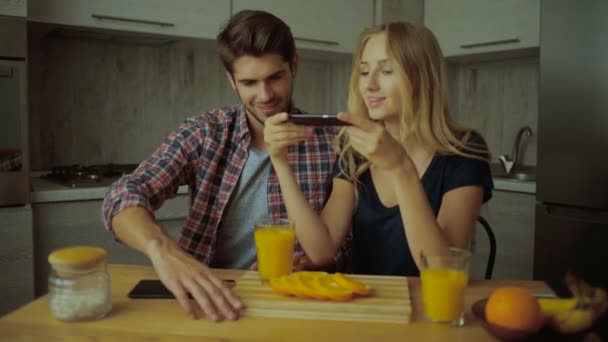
(316, 120)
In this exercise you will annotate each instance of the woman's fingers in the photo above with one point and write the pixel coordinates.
(358, 122)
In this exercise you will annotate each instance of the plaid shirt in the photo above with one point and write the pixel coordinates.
(208, 153)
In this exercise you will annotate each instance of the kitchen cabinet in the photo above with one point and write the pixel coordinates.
(63, 224)
(466, 27)
(180, 18)
(16, 258)
(399, 10)
(13, 8)
(319, 24)
(511, 216)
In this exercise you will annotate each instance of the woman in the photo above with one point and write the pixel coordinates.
(409, 178)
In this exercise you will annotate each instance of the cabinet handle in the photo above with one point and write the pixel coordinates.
(6, 72)
(575, 214)
(317, 41)
(493, 42)
(131, 20)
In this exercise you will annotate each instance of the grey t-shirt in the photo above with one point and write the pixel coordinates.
(235, 246)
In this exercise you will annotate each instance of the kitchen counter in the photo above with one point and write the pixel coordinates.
(44, 191)
(506, 184)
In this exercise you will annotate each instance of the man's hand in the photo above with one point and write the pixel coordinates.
(279, 134)
(183, 275)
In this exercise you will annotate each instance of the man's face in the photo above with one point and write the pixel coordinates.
(264, 84)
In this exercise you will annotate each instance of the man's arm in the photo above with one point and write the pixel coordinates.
(178, 270)
(128, 213)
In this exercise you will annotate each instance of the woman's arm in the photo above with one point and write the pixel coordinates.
(459, 208)
(320, 236)
(455, 221)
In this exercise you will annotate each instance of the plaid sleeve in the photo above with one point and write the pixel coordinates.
(157, 178)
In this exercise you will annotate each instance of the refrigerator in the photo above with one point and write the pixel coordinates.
(572, 167)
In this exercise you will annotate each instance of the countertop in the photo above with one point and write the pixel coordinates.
(505, 184)
(132, 319)
(44, 191)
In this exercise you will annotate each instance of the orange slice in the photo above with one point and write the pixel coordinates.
(328, 287)
(289, 283)
(277, 285)
(305, 283)
(355, 286)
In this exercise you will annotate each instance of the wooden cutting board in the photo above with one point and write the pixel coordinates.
(389, 303)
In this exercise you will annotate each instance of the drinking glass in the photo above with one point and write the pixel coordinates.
(444, 276)
(274, 243)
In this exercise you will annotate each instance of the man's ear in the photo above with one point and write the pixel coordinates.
(231, 79)
(294, 64)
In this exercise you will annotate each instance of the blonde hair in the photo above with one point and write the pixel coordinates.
(418, 63)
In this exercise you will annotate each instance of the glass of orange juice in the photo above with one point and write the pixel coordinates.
(274, 243)
(444, 276)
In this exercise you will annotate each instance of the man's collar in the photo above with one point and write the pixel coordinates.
(241, 125)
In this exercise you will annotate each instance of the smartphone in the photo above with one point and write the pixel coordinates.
(316, 120)
(154, 289)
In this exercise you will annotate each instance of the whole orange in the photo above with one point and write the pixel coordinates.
(514, 308)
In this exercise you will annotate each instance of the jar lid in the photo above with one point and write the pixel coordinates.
(77, 257)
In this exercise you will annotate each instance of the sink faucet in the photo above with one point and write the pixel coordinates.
(507, 163)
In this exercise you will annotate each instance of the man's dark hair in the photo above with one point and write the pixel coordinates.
(254, 33)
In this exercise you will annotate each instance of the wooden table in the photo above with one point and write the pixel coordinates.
(163, 320)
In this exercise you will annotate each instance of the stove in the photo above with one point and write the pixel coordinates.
(78, 176)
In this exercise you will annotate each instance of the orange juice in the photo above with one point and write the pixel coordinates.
(275, 250)
(443, 293)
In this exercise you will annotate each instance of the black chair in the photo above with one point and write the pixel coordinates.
(492, 238)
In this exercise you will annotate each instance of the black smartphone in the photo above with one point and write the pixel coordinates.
(154, 289)
(316, 120)
(150, 288)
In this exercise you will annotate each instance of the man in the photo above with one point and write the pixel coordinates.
(221, 156)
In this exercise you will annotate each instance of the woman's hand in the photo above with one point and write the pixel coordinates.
(374, 142)
(279, 134)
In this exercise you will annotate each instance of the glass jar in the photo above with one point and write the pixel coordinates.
(79, 284)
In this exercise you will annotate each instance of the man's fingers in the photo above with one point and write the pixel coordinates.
(277, 118)
(182, 298)
(203, 299)
(290, 137)
(226, 292)
(290, 129)
(218, 297)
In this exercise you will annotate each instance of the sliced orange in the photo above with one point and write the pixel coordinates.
(277, 285)
(328, 287)
(309, 273)
(289, 283)
(355, 286)
(305, 283)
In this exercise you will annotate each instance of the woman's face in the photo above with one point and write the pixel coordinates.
(378, 82)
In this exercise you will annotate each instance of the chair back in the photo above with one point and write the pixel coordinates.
(492, 240)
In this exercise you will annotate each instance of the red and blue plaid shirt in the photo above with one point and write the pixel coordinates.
(208, 153)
